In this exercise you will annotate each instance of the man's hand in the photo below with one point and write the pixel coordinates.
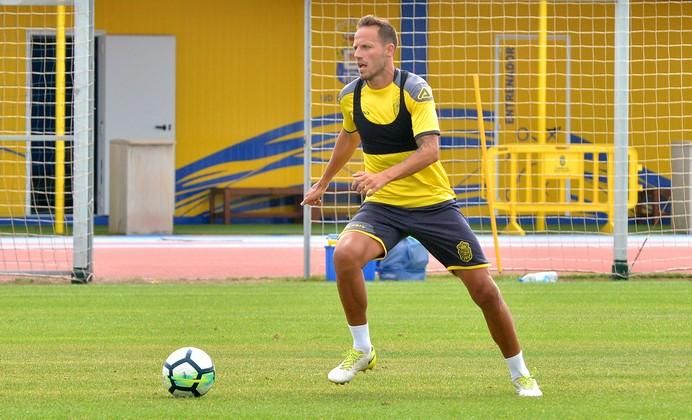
(428, 152)
(367, 183)
(314, 195)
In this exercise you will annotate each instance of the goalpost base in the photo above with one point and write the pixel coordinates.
(81, 276)
(621, 270)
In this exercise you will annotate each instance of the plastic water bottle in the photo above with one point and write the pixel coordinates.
(540, 277)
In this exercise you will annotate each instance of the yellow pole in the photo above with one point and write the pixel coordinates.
(60, 122)
(490, 192)
(609, 226)
(595, 180)
(582, 189)
(529, 176)
(542, 70)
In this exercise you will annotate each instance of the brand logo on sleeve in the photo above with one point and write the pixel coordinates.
(425, 94)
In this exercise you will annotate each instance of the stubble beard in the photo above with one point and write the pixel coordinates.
(372, 75)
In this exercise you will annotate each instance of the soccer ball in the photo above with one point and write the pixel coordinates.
(188, 372)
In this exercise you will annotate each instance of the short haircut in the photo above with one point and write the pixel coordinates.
(386, 31)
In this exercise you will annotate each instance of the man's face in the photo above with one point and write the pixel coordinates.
(371, 54)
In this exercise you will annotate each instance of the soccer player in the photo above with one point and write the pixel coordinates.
(392, 113)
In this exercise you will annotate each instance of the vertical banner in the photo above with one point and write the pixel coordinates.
(516, 58)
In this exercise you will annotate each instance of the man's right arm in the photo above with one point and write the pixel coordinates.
(346, 145)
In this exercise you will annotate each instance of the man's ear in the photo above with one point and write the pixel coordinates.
(389, 48)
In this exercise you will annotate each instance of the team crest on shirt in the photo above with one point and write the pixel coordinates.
(395, 107)
(464, 251)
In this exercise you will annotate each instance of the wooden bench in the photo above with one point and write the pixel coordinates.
(228, 194)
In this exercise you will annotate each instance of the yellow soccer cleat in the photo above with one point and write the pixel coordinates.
(355, 361)
(527, 386)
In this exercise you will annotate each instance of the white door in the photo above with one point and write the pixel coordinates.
(136, 96)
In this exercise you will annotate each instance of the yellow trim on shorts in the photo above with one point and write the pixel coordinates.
(467, 267)
(370, 235)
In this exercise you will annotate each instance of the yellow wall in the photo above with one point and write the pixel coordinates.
(16, 21)
(12, 121)
(660, 87)
(239, 68)
(239, 74)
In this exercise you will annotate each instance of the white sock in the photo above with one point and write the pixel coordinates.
(517, 367)
(361, 337)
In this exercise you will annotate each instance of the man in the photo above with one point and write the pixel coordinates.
(392, 113)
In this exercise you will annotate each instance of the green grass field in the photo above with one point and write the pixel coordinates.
(599, 349)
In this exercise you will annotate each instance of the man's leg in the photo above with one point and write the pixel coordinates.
(352, 252)
(487, 296)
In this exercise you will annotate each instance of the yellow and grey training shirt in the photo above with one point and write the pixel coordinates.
(389, 120)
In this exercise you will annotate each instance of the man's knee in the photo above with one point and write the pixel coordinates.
(345, 256)
(354, 250)
(482, 289)
(486, 296)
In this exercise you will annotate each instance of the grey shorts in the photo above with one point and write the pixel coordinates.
(441, 228)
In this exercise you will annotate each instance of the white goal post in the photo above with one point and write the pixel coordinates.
(46, 138)
(586, 107)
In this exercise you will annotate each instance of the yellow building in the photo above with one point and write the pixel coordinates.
(239, 82)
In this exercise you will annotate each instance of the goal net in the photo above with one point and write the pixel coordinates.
(584, 107)
(45, 138)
